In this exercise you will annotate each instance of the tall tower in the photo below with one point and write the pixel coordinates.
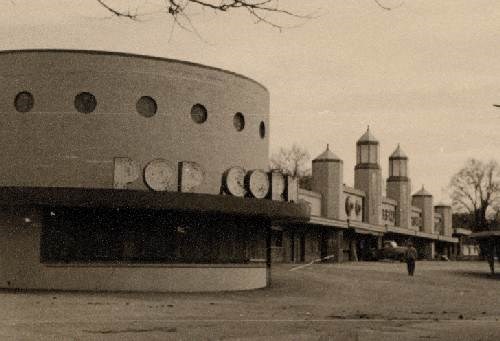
(423, 200)
(368, 177)
(399, 187)
(327, 179)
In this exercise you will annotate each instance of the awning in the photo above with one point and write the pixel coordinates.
(363, 228)
(448, 239)
(486, 234)
(426, 235)
(135, 199)
(368, 232)
(400, 230)
(461, 231)
(315, 220)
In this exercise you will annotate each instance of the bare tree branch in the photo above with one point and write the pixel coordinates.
(177, 9)
(387, 8)
(117, 12)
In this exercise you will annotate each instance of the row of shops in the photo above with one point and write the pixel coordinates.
(350, 223)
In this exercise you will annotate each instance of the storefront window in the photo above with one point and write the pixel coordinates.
(87, 236)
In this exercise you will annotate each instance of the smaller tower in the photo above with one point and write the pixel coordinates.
(399, 187)
(368, 176)
(423, 200)
(446, 213)
(327, 179)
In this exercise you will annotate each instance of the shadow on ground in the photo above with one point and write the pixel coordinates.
(475, 274)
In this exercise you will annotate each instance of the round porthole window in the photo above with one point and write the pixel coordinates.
(85, 102)
(146, 106)
(24, 101)
(199, 113)
(262, 129)
(239, 121)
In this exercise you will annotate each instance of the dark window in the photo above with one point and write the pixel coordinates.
(146, 106)
(239, 121)
(24, 101)
(199, 113)
(85, 102)
(262, 130)
(278, 238)
(141, 236)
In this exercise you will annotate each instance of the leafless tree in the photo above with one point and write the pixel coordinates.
(293, 161)
(263, 11)
(475, 189)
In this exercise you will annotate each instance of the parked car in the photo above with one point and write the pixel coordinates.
(391, 250)
(442, 257)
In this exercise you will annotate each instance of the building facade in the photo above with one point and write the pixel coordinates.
(127, 172)
(349, 223)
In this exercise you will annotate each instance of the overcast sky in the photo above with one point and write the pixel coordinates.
(424, 74)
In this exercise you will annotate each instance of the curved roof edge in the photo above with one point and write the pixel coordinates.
(128, 54)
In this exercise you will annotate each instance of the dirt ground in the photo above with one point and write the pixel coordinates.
(352, 301)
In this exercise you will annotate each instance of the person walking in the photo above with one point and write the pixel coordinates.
(411, 257)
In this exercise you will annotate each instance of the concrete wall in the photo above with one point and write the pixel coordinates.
(327, 179)
(426, 205)
(55, 145)
(313, 199)
(400, 190)
(416, 218)
(369, 180)
(438, 223)
(20, 267)
(446, 216)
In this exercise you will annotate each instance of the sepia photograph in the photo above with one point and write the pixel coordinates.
(250, 170)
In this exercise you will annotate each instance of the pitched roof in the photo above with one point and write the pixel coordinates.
(398, 154)
(423, 193)
(327, 155)
(367, 137)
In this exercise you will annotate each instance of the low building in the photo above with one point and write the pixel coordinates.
(349, 223)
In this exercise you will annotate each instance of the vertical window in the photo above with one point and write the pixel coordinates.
(24, 101)
(262, 129)
(396, 171)
(239, 121)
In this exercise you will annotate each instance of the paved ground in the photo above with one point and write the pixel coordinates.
(354, 301)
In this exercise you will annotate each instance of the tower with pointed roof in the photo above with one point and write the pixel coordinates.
(327, 179)
(398, 187)
(423, 200)
(368, 176)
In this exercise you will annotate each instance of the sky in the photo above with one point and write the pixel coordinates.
(424, 74)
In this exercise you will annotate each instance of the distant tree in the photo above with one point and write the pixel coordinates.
(475, 189)
(293, 161)
(463, 220)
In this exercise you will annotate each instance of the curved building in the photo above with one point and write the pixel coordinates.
(128, 172)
